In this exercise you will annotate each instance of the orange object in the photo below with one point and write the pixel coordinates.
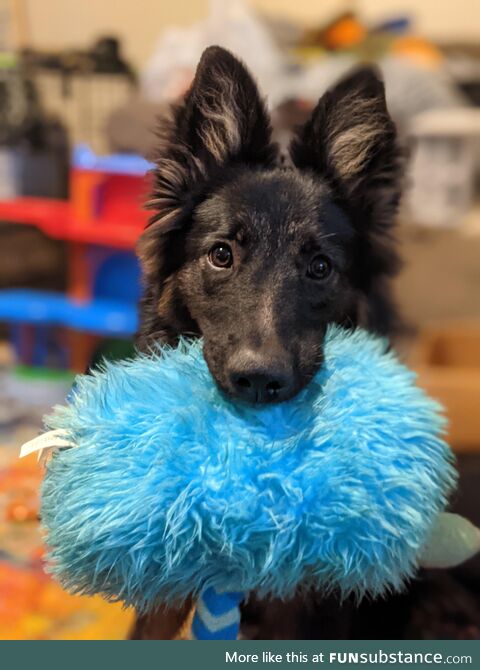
(19, 492)
(79, 280)
(22, 510)
(81, 347)
(84, 192)
(418, 49)
(346, 33)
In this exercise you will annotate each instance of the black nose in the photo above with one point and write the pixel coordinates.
(260, 380)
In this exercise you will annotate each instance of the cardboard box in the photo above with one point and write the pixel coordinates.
(447, 360)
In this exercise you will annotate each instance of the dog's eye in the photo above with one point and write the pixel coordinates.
(319, 268)
(220, 256)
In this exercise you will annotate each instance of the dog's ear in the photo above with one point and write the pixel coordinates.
(222, 121)
(351, 140)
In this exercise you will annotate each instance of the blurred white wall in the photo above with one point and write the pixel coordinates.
(63, 23)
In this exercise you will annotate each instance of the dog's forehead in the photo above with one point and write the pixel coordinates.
(281, 194)
(288, 202)
(280, 205)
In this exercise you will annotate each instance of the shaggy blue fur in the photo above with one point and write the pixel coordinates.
(173, 488)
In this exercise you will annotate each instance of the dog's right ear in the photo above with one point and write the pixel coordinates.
(222, 121)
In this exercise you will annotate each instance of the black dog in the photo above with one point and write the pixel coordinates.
(258, 252)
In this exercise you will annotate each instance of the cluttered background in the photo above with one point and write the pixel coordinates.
(81, 87)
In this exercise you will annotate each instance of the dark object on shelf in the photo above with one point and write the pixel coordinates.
(104, 56)
(107, 57)
(36, 144)
(42, 160)
(19, 105)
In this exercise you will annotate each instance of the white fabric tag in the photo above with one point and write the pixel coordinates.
(53, 439)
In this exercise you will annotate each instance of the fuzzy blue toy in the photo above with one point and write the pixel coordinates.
(174, 490)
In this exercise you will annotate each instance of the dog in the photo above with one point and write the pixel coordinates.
(257, 250)
(257, 253)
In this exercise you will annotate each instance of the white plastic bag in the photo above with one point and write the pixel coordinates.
(230, 24)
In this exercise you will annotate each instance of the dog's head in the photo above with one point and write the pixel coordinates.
(258, 256)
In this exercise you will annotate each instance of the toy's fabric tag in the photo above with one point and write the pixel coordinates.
(46, 442)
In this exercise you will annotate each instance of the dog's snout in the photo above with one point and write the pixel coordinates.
(257, 379)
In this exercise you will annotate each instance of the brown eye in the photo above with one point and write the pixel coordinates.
(319, 268)
(220, 256)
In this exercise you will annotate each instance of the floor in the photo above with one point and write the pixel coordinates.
(32, 606)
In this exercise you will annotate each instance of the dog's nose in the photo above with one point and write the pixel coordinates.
(259, 380)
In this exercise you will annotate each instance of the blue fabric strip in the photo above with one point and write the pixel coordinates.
(200, 632)
(217, 616)
(219, 603)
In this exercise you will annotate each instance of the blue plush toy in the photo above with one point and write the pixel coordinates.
(172, 489)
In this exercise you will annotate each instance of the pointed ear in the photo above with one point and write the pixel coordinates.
(351, 140)
(222, 121)
(224, 117)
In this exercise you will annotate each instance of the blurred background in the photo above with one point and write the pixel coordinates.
(81, 85)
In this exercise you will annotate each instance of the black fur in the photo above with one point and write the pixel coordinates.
(219, 179)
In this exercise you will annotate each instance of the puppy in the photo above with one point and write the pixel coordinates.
(257, 252)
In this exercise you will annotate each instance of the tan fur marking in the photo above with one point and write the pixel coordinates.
(351, 146)
(220, 131)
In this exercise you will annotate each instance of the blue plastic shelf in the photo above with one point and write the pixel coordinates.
(83, 158)
(100, 316)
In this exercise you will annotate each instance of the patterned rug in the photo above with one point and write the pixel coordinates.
(32, 606)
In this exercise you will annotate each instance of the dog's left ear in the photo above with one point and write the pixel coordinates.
(351, 140)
